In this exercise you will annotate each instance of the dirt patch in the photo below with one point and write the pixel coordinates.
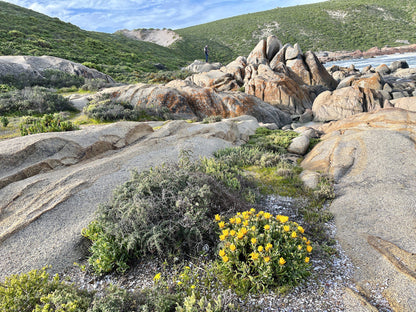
(163, 37)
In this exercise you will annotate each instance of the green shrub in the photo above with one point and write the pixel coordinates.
(36, 291)
(114, 300)
(33, 101)
(4, 121)
(260, 252)
(211, 119)
(272, 140)
(106, 109)
(191, 304)
(47, 123)
(4, 88)
(95, 84)
(162, 211)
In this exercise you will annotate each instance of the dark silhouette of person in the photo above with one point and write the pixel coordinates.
(206, 53)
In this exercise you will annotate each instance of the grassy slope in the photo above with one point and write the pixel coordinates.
(25, 32)
(368, 23)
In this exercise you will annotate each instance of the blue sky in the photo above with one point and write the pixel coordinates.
(111, 15)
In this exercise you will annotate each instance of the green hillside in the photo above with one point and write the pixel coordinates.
(25, 32)
(331, 26)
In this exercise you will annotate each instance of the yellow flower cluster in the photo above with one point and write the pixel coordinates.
(273, 247)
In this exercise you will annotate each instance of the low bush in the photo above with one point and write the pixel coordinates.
(47, 123)
(36, 291)
(33, 101)
(4, 121)
(272, 140)
(94, 84)
(105, 109)
(260, 252)
(163, 211)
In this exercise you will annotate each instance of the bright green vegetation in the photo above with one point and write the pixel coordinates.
(46, 123)
(331, 25)
(327, 26)
(37, 292)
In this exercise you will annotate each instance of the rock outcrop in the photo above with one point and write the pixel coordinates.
(186, 100)
(279, 90)
(345, 102)
(33, 67)
(372, 158)
(280, 75)
(42, 213)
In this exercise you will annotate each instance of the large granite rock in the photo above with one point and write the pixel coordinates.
(372, 158)
(345, 102)
(407, 103)
(42, 214)
(186, 100)
(32, 67)
(279, 90)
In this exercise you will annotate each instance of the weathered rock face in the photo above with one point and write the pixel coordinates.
(278, 90)
(407, 103)
(319, 75)
(34, 66)
(42, 214)
(345, 102)
(215, 79)
(186, 100)
(372, 158)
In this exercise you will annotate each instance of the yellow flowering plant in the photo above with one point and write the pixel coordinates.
(259, 251)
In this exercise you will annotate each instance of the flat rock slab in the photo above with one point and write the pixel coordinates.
(41, 216)
(372, 157)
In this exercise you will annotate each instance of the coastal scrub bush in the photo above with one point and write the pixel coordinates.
(106, 109)
(36, 291)
(163, 211)
(272, 140)
(33, 101)
(260, 251)
(4, 121)
(47, 123)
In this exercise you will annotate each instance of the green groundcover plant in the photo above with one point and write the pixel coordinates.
(260, 251)
(35, 291)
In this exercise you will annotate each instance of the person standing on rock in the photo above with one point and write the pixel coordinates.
(206, 53)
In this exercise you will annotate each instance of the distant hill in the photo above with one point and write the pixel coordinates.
(327, 26)
(25, 32)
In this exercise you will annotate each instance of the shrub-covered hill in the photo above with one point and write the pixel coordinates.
(332, 25)
(25, 32)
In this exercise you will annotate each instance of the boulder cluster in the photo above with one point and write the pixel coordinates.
(279, 85)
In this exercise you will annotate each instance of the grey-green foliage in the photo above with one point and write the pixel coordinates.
(163, 211)
(106, 109)
(33, 101)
